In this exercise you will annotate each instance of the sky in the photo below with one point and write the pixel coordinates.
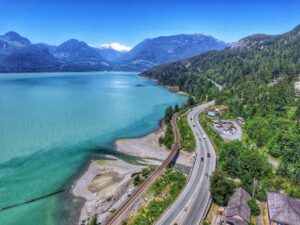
(131, 21)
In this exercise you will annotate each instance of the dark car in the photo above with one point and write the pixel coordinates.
(202, 159)
(208, 155)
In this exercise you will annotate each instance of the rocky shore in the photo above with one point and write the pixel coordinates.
(107, 184)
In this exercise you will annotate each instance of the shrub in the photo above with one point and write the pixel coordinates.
(254, 207)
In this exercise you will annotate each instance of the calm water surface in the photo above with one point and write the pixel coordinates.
(52, 123)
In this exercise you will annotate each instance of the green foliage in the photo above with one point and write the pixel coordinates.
(113, 210)
(137, 180)
(140, 178)
(187, 138)
(168, 138)
(206, 222)
(297, 113)
(254, 207)
(253, 165)
(191, 101)
(145, 172)
(229, 157)
(258, 78)
(221, 188)
(168, 114)
(264, 59)
(167, 187)
(217, 141)
(93, 221)
(176, 108)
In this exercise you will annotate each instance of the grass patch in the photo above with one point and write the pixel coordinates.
(265, 214)
(253, 220)
(187, 138)
(215, 139)
(140, 178)
(212, 211)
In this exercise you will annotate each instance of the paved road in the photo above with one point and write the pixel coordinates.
(121, 213)
(192, 205)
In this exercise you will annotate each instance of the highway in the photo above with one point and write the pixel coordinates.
(193, 203)
(121, 213)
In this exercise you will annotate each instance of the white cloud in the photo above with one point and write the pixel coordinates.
(117, 46)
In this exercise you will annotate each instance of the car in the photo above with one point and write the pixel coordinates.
(208, 155)
(194, 125)
(204, 136)
(202, 159)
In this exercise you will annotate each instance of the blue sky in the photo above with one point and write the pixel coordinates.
(131, 21)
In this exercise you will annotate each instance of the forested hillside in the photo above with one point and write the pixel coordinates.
(261, 58)
(258, 75)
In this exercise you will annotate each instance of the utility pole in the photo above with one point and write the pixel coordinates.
(254, 184)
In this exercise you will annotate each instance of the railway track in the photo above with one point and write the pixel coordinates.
(119, 215)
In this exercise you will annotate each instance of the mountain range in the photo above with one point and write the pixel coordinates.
(259, 58)
(18, 54)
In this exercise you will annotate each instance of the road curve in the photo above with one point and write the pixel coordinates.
(193, 203)
(120, 214)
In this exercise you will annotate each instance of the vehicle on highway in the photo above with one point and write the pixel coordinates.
(208, 155)
(204, 136)
(202, 159)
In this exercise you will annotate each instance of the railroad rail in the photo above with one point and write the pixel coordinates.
(118, 216)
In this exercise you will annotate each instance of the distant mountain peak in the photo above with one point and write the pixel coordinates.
(12, 34)
(116, 46)
(15, 38)
(74, 42)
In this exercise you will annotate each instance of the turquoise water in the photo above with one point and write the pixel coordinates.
(53, 123)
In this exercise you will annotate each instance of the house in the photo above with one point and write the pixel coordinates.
(211, 113)
(217, 109)
(282, 209)
(240, 120)
(238, 211)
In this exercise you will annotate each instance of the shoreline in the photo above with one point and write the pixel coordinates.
(116, 175)
(170, 88)
(105, 185)
(97, 202)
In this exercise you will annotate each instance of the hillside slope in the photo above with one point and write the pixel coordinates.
(259, 57)
(166, 49)
(258, 74)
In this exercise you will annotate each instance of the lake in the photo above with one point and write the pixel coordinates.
(52, 124)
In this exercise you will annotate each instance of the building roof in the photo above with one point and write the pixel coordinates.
(283, 209)
(238, 205)
(211, 113)
(232, 220)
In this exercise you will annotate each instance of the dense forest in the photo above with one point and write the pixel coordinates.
(258, 75)
(260, 58)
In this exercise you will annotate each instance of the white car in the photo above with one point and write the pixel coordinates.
(204, 136)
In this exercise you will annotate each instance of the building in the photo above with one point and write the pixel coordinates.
(217, 110)
(211, 113)
(283, 210)
(240, 120)
(238, 211)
